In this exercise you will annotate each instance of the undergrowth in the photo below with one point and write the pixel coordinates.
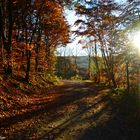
(76, 77)
(128, 105)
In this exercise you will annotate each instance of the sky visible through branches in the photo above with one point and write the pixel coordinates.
(75, 48)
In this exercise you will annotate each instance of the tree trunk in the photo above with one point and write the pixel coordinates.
(28, 55)
(109, 69)
(9, 49)
(36, 59)
(127, 77)
(97, 65)
(7, 43)
(89, 67)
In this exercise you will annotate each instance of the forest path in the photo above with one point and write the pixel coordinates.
(76, 111)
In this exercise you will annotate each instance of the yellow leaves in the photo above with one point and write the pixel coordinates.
(108, 19)
(29, 47)
(14, 43)
(21, 46)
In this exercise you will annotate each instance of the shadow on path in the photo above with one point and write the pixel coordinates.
(78, 111)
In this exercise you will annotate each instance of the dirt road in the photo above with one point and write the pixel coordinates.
(73, 111)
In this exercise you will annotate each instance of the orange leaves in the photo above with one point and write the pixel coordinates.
(14, 43)
(38, 27)
(54, 22)
(29, 47)
(109, 19)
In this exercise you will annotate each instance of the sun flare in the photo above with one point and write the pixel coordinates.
(136, 40)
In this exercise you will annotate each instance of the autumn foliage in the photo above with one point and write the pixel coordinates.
(105, 26)
(30, 31)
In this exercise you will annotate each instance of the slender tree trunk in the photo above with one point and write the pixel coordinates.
(127, 77)
(9, 48)
(28, 52)
(1, 25)
(7, 42)
(37, 51)
(28, 56)
(2, 36)
(89, 66)
(36, 59)
(65, 64)
(109, 70)
(76, 68)
(97, 65)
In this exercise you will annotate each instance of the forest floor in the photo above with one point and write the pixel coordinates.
(72, 111)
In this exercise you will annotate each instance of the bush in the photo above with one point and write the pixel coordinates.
(50, 79)
(128, 104)
(76, 77)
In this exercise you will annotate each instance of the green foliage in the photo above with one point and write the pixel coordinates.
(87, 81)
(117, 94)
(19, 86)
(76, 77)
(30, 84)
(66, 67)
(50, 79)
(118, 91)
(128, 104)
